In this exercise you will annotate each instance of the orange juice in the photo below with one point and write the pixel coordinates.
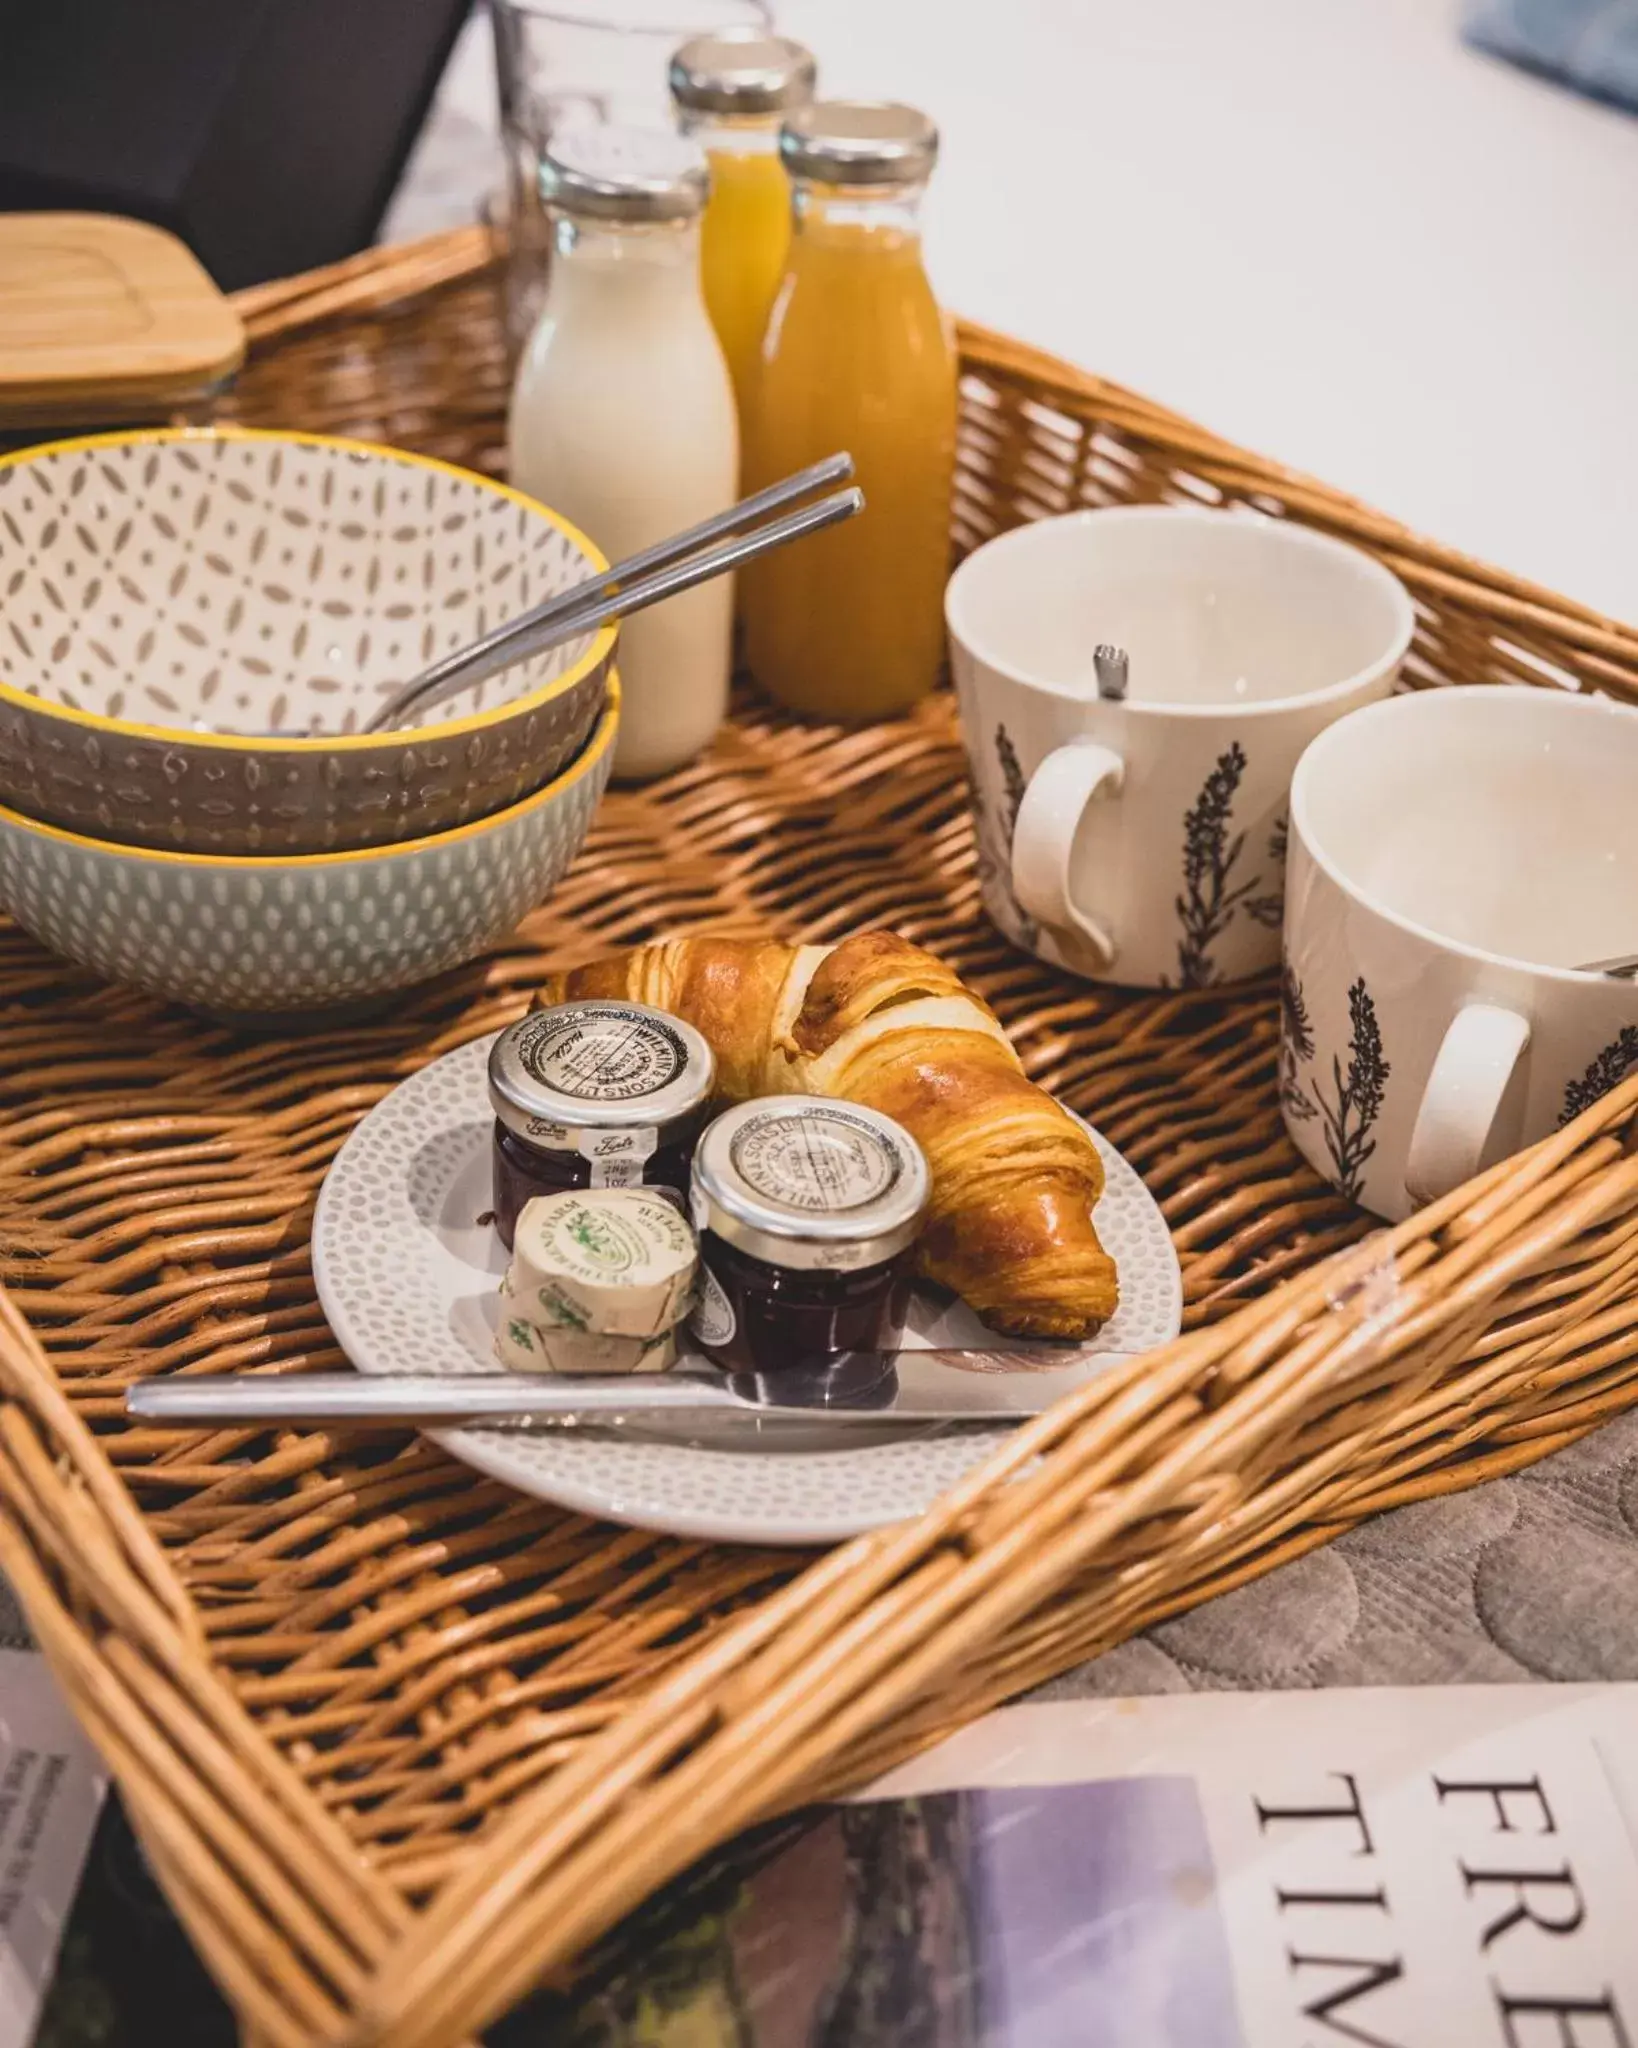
(850, 625)
(732, 89)
(743, 244)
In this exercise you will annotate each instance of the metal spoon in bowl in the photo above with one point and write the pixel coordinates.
(643, 579)
(1622, 967)
(525, 636)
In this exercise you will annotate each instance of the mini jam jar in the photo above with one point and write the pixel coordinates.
(807, 1211)
(595, 1095)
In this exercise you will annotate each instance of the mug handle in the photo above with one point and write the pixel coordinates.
(1470, 1075)
(1054, 802)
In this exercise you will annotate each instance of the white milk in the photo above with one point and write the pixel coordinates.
(623, 420)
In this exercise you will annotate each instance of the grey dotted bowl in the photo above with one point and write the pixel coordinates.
(264, 583)
(270, 935)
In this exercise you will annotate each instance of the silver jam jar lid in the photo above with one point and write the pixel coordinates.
(742, 71)
(806, 1182)
(597, 1065)
(624, 174)
(859, 142)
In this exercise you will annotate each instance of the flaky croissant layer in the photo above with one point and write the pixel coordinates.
(879, 1021)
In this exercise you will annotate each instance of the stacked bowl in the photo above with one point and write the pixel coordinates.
(195, 628)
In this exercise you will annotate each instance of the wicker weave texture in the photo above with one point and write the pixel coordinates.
(398, 1740)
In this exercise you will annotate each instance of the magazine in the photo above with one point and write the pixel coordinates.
(1426, 1868)
(51, 1789)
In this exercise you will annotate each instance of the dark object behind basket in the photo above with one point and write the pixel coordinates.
(268, 134)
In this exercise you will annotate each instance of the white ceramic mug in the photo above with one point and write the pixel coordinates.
(1144, 841)
(1456, 856)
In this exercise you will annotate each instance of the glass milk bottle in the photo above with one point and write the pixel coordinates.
(858, 356)
(731, 91)
(623, 416)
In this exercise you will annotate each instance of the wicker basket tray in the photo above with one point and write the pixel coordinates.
(400, 1743)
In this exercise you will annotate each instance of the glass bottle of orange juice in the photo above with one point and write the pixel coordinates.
(731, 91)
(857, 356)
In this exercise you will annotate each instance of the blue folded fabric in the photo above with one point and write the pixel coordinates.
(1589, 44)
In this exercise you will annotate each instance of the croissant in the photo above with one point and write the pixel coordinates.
(876, 1020)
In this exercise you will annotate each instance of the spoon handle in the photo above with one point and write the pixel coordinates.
(642, 591)
(501, 648)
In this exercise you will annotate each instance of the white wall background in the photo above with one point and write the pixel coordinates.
(1322, 227)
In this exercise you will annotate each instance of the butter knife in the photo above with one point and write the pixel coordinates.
(912, 1386)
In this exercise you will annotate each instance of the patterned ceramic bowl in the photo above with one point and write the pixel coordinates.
(155, 581)
(268, 936)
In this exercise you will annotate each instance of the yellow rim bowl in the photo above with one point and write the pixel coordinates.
(182, 736)
(602, 739)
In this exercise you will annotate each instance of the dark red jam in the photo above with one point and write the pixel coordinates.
(522, 1171)
(595, 1094)
(766, 1319)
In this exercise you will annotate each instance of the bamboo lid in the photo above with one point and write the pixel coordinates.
(104, 319)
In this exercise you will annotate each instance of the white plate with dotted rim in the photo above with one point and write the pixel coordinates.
(407, 1274)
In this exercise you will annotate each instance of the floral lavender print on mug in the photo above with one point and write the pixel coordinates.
(1457, 856)
(1142, 839)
